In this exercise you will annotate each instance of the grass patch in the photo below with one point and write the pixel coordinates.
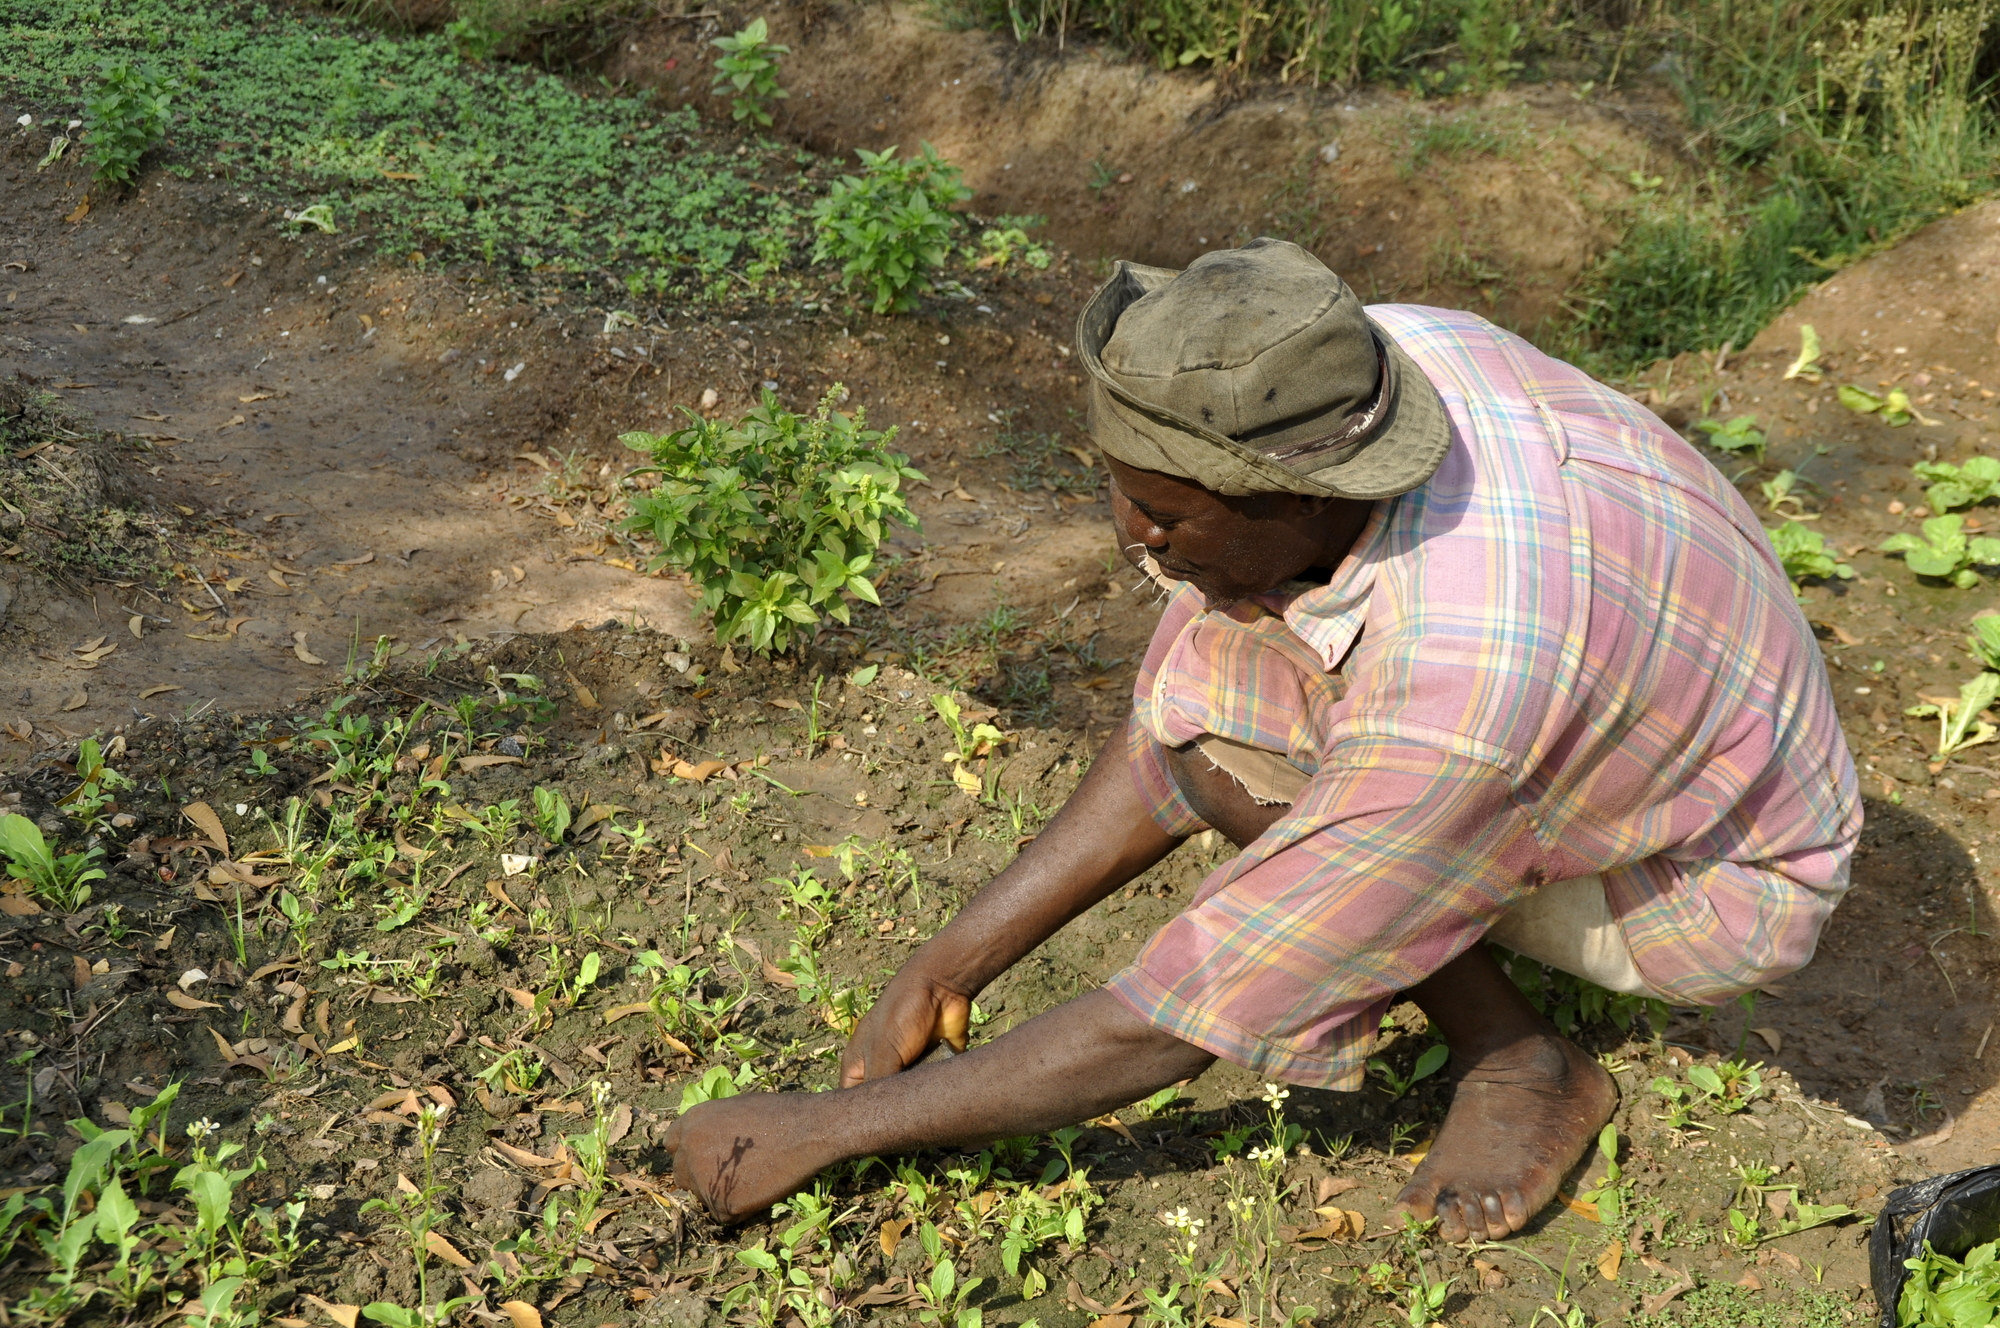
(412, 143)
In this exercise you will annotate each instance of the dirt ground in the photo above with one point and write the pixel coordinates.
(331, 450)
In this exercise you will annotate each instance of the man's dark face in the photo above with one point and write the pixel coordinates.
(1228, 548)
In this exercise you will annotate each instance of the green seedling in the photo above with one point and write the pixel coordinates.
(513, 1072)
(1781, 497)
(1736, 435)
(973, 740)
(1985, 641)
(775, 517)
(1806, 366)
(416, 1212)
(748, 67)
(1006, 242)
(1804, 554)
(125, 115)
(95, 798)
(1730, 1086)
(1959, 723)
(891, 225)
(716, 1083)
(1611, 1194)
(260, 764)
(1944, 551)
(1959, 486)
(552, 814)
(944, 1297)
(1428, 1064)
(61, 881)
(1893, 410)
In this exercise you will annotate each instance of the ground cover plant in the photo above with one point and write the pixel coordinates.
(405, 139)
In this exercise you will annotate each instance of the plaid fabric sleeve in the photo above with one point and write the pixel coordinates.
(1394, 861)
(1148, 760)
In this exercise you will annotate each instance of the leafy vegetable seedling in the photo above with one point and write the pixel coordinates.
(1959, 724)
(749, 64)
(1945, 551)
(1942, 1292)
(1806, 366)
(1740, 434)
(1427, 1065)
(1985, 641)
(62, 881)
(1959, 486)
(1894, 410)
(1803, 552)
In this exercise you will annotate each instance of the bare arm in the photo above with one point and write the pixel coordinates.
(1102, 838)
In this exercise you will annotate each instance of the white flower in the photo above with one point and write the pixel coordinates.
(202, 1128)
(25, 121)
(1267, 1157)
(1181, 1221)
(1275, 1093)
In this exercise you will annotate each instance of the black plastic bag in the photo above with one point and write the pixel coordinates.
(1954, 1213)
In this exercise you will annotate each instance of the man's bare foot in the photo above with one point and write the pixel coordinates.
(740, 1155)
(1519, 1121)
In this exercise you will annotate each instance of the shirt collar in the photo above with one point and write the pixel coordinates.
(1329, 618)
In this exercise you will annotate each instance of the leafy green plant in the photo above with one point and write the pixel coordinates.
(552, 813)
(1803, 552)
(1959, 723)
(890, 225)
(1806, 365)
(716, 1083)
(96, 797)
(1571, 1002)
(1959, 486)
(1428, 1064)
(1006, 242)
(416, 1212)
(749, 65)
(1985, 641)
(1612, 1193)
(1739, 434)
(1729, 1086)
(125, 115)
(1893, 410)
(1941, 1292)
(1944, 551)
(776, 517)
(61, 881)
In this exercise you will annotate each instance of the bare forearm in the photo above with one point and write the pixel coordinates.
(1102, 838)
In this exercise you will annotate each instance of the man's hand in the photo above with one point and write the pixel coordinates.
(914, 1014)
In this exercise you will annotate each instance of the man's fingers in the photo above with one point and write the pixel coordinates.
(954, 1013)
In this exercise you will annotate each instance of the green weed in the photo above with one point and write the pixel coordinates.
(1804, 554)
(1959, 722)
(1959, 486)
(891, 225)
(62, 881)
(776, 517)
(1985, 642)
(1893, 410)
(1739, 434)
(1942, 1292)
(125, 115)
(748, 66)
(1945, 551)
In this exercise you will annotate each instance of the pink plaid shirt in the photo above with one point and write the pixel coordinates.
(1580, 656)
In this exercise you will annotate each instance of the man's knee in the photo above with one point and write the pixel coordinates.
(1219, 797)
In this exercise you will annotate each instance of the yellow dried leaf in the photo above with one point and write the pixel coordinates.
(177, 997)
(206, 821)
(299, 649)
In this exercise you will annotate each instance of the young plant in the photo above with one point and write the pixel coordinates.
(1959, 722)
(1945, 551)
(95, 798)
(1803, 552)
(1729, 1086)
(749, 65)
(1985, 641)
(416, 1212)
(891, 225)
(1781, 497)
(62, 881)
(1734, 436)
(552, 814)
(1610, 1194)
(972, 740)
(1959, 486)
(1806, 366)
(1893, 410)
(1006, 242)
(1427, 1065)
(776, 517)
(125, 115)
(1941, 1292)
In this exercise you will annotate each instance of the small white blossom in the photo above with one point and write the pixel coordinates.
(1276, 1093)
(201, 1129)
(1268, 1156)
(1180, 1220)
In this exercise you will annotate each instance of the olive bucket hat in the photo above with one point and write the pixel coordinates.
(1256, 370)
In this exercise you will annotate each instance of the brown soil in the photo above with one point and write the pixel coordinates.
(374, 439)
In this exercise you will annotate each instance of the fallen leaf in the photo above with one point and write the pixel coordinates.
(77, 700)
(521, 1157)
(617, 1012)
(1332, 1187)
(230, 423)
(189, 978)
(346, 1044)
(1116, 1126)
(20, 730)
(524, 999)
(892, 1235)
(1578, 1206)
(255, 396)
(209, 824)
(207, 636)
(499, 893)
(344, 1315)
(159, 689)
(299, 648)
(1607, 1267)
(521, 1312)
(698, 773)
(223, 1046)
(481, 762)
(515, 864)
(184, 1001)
(136, 625)
(76, 214)
(235, 625)
(445, 1250)
(277, 578)
(1772, 1039)
(966, 780)
(19, 906)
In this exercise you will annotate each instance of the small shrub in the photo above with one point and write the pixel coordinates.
(1944, 551)
(125, 115)
(1006, 242)
(749, 64)
(890, 225)
(1803, 552)
(1740, 434)
(1959, 486)
(776, 517)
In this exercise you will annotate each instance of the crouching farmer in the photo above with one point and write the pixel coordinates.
(1462, 645)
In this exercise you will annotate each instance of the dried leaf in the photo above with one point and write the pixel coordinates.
(77, 700)
(209, 824)
(1772, 1039)
(617, 1012)
(158, 689)
(75, 215)
(344, 1315)
(223, 1046)
(136, 625)
(892, 1236)
(445, 1250)
(698, 773)
(499, 892)
(481, 762)
(299, 649)
(182, 1000)
(524, 999)
(521, 1312)
(1607, 1267)
(966, 780)
(521, 1157)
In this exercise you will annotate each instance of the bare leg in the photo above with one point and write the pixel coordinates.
(1528, 1102)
